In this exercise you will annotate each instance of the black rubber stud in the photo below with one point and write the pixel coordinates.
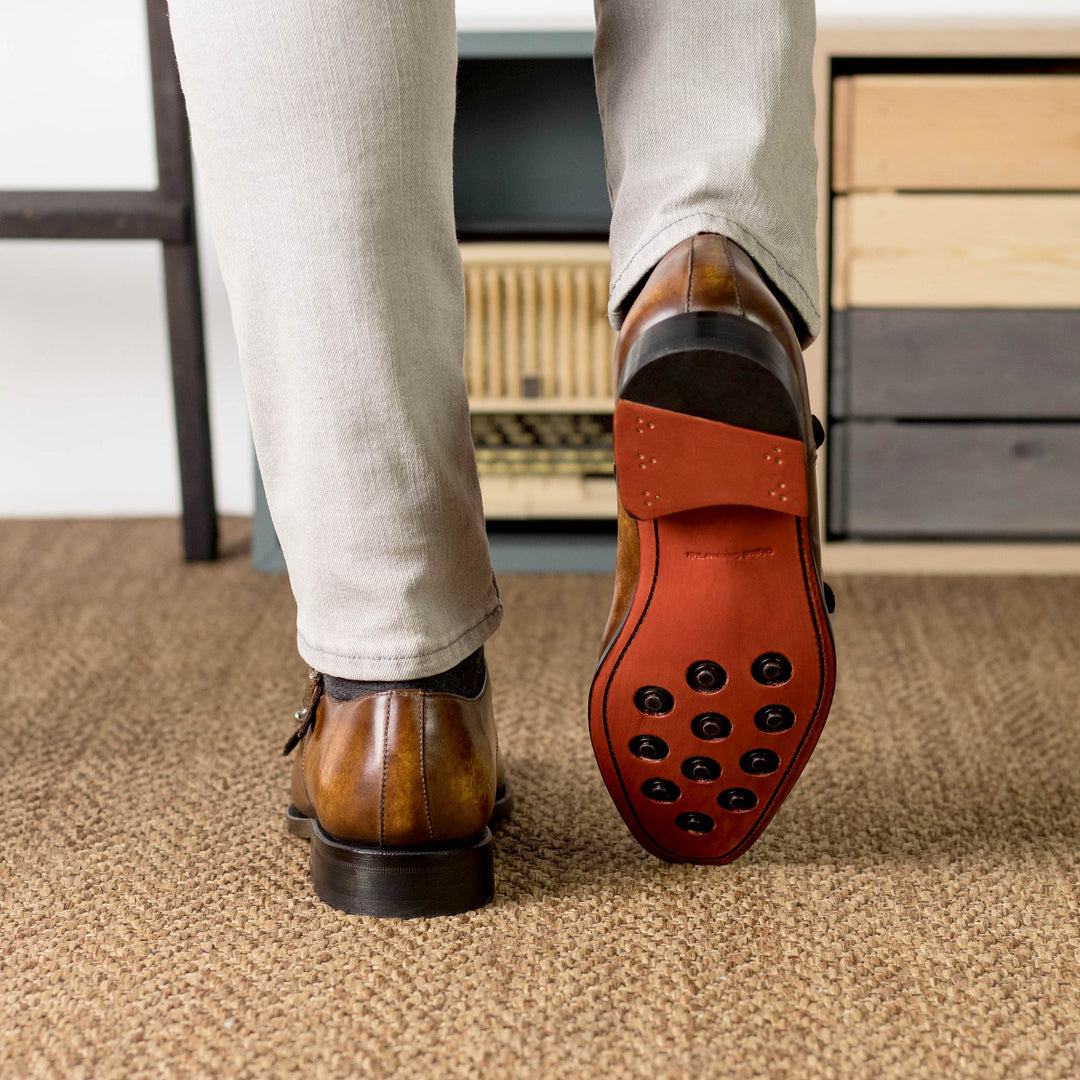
(649, 747)
(830, 597)
(771, 669)
(774, 719)
(702, 769)
(819, 432)
(706, 677)
(660, 790)
(654, 700)
(737, 798)
(695, 823)
(711, 726)
(759, 762)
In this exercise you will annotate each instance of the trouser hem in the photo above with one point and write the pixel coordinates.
(648, 254)
(416, 665)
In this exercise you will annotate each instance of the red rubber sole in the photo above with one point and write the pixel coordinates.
(726, 579)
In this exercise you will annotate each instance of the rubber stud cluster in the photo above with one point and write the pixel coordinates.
(701, 770)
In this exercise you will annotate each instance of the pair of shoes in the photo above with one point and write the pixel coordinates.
(716, 666)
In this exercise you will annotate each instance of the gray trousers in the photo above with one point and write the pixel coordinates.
(322, 131)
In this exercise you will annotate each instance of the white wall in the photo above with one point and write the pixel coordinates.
(85, 408)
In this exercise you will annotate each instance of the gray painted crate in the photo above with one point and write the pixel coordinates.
(977, 480)
(1015, 363)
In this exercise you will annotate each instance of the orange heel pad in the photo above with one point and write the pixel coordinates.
(668, 462)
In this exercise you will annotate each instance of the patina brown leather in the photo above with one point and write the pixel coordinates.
(400, 768)
(707, 272)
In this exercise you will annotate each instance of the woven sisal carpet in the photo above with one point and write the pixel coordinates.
(912, 911)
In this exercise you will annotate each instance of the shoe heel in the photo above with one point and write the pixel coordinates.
(709, 413)
(397, 883)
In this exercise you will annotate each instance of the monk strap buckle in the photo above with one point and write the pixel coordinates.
(305, 715)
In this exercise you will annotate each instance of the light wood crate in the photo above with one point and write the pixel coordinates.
(931, 250)
(956, 132)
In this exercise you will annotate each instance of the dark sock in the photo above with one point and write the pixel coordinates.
(466, 678)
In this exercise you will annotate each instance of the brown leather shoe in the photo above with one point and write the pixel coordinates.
(717, 667)
(396, 791)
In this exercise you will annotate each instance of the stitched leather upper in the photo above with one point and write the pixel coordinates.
(400, 767)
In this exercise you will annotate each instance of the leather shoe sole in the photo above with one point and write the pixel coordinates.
(711, 695)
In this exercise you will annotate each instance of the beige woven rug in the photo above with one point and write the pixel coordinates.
(911, 912)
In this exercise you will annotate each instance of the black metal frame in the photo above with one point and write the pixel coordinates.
(166, 214)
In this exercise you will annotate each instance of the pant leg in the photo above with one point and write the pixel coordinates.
(708, 115)
(323, 133)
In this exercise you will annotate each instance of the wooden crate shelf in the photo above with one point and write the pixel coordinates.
(538, 366)
(949, 244)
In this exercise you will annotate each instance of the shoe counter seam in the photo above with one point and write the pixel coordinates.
(382, 788)
(423, 766)
(734, 277)
(690, 274)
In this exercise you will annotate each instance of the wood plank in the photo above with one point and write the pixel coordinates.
(565, 360)
(474, 339)
(841, 133)
(957, 362)
(978, 36)
(957, 132)
(511, 279)
(603, 337)
(962, 480)
(548, 324)
(947, 250)
(962, 557)
(494, 359)
(94, 215)
(548, 497)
